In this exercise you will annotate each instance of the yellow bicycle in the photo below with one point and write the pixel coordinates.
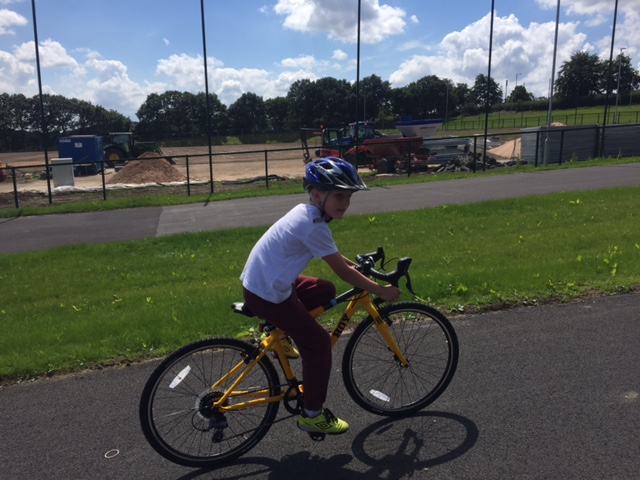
(213, 400)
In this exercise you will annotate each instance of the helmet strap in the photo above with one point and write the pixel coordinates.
(320, 204)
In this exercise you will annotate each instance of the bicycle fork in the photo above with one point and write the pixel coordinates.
(385, 332)
(382, 326)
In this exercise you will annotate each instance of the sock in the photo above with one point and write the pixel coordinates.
(312, 413)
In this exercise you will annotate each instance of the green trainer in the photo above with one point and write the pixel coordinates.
(326, 422)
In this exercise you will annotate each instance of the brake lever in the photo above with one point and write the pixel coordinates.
(409, 286)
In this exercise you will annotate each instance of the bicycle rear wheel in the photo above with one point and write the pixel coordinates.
(377, 381)
(176, 411)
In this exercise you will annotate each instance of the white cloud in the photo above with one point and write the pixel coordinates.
(10, 19)
(186, 73)
(107, 83)
(337, 19)
(52, 54)
(339, 55)
(15, 76)
(518, 49)
(99, 81)
(304, 61)
(526, 51)
(595, 13)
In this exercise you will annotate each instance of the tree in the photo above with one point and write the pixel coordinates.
(326, 101)
(302, 99)
(181, 113)
(375, 96)
(335, 102)
(483, 87)
(151, 115)
(582, 76)
(424, 98)
(248, 113)
(520, 94)
(458, 98)
(277, 110)
(629, 77)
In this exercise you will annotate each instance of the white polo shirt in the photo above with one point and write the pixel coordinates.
(284, 251)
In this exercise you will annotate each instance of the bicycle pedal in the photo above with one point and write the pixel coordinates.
(317, 436)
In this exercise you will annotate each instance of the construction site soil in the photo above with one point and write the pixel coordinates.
(230, 163)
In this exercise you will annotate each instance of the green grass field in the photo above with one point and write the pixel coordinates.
(82, 306)
(513, 120)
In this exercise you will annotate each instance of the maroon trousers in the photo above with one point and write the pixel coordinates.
(312, 340)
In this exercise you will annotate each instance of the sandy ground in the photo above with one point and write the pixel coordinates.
(232, 162)
(507, 151)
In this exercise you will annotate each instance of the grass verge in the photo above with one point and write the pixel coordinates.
(78, 307)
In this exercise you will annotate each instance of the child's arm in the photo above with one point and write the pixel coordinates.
(350, 262)
(350, 275)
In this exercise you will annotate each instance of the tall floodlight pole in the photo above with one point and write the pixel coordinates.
(606, 101)
(487, 102)
(206, 95)
(551, 85)
(618, 88)
(45, 136)
(358, 80)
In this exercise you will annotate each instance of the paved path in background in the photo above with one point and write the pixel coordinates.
(35, 233)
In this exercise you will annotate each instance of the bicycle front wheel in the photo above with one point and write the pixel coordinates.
(176, 407)
(374, 377)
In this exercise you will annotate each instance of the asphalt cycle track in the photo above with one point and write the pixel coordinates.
(38, 232)
(546, 392)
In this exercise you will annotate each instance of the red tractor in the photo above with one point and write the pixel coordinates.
(363, 146)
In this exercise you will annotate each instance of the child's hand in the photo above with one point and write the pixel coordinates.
(389, 293)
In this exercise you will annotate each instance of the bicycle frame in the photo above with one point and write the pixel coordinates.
(357, 299)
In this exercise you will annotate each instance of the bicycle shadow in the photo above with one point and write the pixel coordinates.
(397, 448)
(391, 449)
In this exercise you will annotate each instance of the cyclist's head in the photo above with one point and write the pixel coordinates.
(332, 173)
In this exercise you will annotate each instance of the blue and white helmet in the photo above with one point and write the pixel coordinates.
(332, 173)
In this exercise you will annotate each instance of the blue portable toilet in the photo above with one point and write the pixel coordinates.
(87, 151)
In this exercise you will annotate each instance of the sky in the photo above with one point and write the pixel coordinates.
(114, 53)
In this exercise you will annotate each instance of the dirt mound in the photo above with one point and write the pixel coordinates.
(150, 170)
(506, 151)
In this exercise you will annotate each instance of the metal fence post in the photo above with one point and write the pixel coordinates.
(15, 187)
(104, 183)
(266, 168)
(186, 157)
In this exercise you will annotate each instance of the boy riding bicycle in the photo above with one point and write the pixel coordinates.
(275, 290)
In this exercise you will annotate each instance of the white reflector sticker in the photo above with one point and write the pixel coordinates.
(380, 395)
(180, 377)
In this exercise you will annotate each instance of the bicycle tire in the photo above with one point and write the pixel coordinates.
(374, 378)
(174, 413)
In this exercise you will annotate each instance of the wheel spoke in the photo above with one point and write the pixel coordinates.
(176, 408)
(378, 382)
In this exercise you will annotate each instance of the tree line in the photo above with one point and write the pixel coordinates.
(582, 81)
